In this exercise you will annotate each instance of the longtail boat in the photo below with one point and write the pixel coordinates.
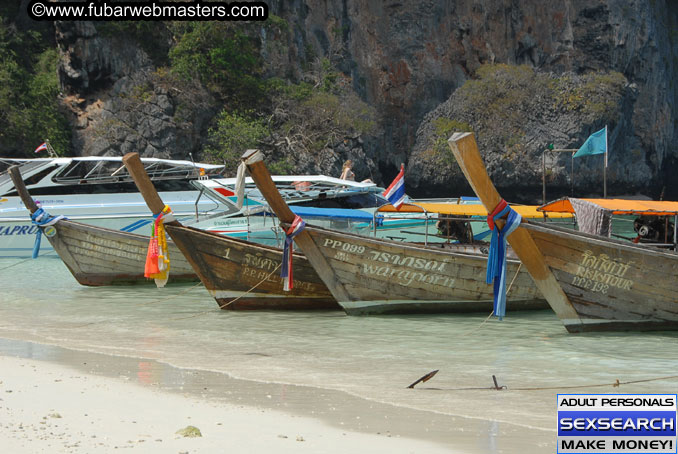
(239, 274)
(368, 275)
(593, 283)
(98, 256)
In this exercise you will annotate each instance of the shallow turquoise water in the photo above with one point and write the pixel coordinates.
(373, 358)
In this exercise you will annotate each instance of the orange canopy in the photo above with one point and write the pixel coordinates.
(460, 209)
(618, 206)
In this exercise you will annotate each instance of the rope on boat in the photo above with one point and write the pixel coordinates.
(222, 306)
(508, 290)
(42, 218)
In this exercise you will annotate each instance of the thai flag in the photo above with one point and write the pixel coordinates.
(41, 147)
(395, 193)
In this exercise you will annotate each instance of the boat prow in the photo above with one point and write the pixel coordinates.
(376, 276)
(98, 256)
(239, 274)
(593, 283)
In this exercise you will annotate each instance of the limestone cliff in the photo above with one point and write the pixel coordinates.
(406, 59)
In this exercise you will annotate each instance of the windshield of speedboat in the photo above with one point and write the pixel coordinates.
(26, 169)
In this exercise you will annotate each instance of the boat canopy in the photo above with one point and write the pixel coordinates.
(617, 206)
(461, 209)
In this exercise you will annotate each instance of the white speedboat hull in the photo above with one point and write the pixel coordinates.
(120, 211)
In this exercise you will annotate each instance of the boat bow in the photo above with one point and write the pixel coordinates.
(465, 150)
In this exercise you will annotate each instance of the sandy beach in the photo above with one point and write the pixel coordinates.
(48, 407)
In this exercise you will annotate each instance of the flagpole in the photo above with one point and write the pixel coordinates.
(572, 174)
(543, 177)
(605, 168)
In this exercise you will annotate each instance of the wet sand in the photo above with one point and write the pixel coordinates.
(57, 399)
(48, 407)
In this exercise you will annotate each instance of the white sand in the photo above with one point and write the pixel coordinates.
(50, 408)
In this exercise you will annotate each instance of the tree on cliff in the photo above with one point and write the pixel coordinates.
(29, 90)
(515, 112)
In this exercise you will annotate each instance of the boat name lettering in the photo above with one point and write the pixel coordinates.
(19, 230)
(416, 263)
(261, 275)
(599, 273)
(604, 263)
(406, 277)
(259, 261)
(348, 247)
(590, 284)
(231, 222)
(44, 201)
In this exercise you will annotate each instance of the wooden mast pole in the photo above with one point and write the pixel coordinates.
(136, 169)
(20, 186)
(254, 160)
(464, 147)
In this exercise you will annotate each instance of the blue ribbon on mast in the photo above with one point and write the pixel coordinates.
(496, 260)
(42, 219)
(286, 272)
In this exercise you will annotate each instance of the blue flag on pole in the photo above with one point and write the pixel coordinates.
(595, 144)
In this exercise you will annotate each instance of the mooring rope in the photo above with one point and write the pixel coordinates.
(143, 304)
(26, 260)
(615, 384)
(473, 330)
(221, 306)
(162, 300)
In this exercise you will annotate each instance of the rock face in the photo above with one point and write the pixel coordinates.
(405, 59)
(408, 57)
(516, 112)
(120, 103)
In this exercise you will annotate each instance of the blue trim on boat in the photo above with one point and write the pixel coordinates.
(136, 225)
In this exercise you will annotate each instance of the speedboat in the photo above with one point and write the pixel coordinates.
(98, 191)
(332, 202)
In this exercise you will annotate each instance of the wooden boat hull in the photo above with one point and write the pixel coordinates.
(612, 285)
(231, 267)
(98, 256)
(384, 277)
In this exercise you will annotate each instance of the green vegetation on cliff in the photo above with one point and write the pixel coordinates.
(234, 131)
(304, 115)
(507, 102)
(29, 91)
(223, 56)
(216, 81)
